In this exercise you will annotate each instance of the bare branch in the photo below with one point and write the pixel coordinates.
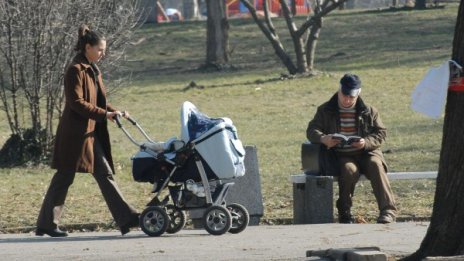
(273, 38)
(36, 44)
(267, 17)
(268, 33)
(335, 4)
(288, 17)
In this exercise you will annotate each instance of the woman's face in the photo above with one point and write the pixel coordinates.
(96, 52)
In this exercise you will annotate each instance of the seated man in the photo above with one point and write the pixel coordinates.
(346, 113)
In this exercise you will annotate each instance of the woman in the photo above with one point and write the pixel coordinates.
(82, 141)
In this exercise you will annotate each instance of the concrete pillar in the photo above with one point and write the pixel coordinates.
(313, 200)
(246, 191)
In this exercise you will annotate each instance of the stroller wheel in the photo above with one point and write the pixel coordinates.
(154, 221)
(240, 218)
(177, 219)
(217, 220)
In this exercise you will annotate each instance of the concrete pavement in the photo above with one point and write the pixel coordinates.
(283, 242)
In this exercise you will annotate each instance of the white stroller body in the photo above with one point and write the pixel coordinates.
(198, 170)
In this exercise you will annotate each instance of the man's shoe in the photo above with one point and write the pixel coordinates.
(386, 217)
(51, 232)
(133, 223)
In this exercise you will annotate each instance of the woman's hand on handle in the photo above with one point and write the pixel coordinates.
(110, 115)
(125, 114)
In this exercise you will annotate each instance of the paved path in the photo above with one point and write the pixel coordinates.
(287, 242)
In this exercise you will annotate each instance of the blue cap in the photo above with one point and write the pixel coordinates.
(350, 84)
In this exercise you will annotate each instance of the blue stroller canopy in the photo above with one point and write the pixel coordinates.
(215, 139)
(195, 123)
(199, 123)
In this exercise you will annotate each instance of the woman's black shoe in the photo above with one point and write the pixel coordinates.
(346, 220)
(133, 223)
(345, 217)
(51, 232)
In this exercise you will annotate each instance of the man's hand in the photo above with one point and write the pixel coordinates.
(359, 144)
(329, 142)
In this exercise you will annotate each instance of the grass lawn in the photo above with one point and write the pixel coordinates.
(390, 51)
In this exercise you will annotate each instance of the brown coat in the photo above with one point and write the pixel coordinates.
(76, 130)
(368, 123)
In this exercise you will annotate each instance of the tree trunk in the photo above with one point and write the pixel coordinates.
(311, 43)
(4, 98)
(298, 44)
(420, 4)
(217, 43)
(191, 11)
(271, 34)
(293, 3)
(445, 235)
(304, 51)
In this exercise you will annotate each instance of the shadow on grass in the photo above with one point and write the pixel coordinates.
(282, 77)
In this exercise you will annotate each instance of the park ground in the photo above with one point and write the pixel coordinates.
(390, 50)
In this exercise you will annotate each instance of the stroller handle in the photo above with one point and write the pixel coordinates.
(131, 120)
(118, 121)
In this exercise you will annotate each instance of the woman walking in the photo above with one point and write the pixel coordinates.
(82, 141)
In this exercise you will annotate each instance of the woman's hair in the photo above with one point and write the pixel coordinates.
(86, 36)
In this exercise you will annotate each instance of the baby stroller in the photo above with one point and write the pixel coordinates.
(198, 169)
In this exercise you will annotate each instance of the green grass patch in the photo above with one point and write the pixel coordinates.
(391, 51)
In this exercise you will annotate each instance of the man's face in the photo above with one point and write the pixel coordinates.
(346, 101)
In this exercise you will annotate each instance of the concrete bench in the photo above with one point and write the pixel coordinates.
(246, 191)
(313, 194)
(301, 178)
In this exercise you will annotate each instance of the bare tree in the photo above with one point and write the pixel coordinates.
(36, 43)
(217, 39)
(445, 235)
(304, 38)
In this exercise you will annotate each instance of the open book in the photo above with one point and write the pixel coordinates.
(345, 139)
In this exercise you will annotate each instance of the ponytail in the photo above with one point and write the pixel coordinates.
(86, 36)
